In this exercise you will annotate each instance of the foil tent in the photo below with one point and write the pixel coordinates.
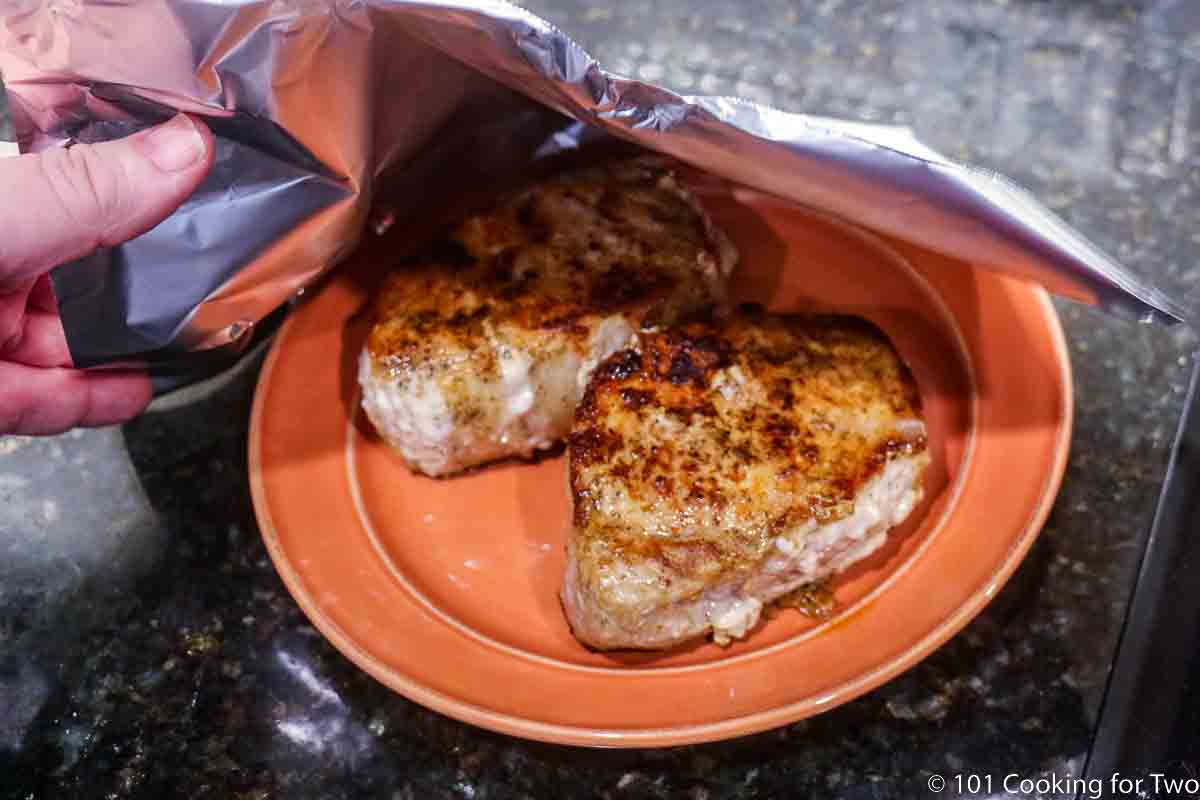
(321, 106)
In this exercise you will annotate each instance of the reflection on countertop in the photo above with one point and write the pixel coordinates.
(148, 649)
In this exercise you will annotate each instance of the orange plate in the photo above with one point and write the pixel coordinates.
(447, 590)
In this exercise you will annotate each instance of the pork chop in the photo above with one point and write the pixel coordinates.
(481, 348)
(723, 464)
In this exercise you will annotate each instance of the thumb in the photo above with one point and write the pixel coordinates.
(63, 204)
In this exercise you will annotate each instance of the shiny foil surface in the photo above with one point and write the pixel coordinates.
(322, 106)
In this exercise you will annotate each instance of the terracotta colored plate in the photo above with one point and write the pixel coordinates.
(447, 591)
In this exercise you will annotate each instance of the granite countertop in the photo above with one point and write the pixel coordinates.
(148, 649)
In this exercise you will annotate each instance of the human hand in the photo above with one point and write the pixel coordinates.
(60, 206)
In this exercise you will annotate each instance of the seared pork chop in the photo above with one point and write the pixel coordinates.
(481, 348)
(723, 464)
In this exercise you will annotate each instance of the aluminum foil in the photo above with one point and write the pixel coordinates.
(318, 105)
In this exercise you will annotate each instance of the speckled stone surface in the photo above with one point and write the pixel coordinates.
(205, 679)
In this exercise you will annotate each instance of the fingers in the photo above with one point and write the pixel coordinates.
(35, 401)
(31, 332)
(40, 394)
(41, 296)
(12, 314)
(72, 201)
(42, 342)
(63, 205)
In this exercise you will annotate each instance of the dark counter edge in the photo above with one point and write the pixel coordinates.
(1161, 633)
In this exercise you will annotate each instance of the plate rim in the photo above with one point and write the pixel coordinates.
(741, 725)
(954, 489)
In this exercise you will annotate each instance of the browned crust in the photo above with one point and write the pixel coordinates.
(654, 427)
(620, 238)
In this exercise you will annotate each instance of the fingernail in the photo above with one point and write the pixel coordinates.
(175, 146)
